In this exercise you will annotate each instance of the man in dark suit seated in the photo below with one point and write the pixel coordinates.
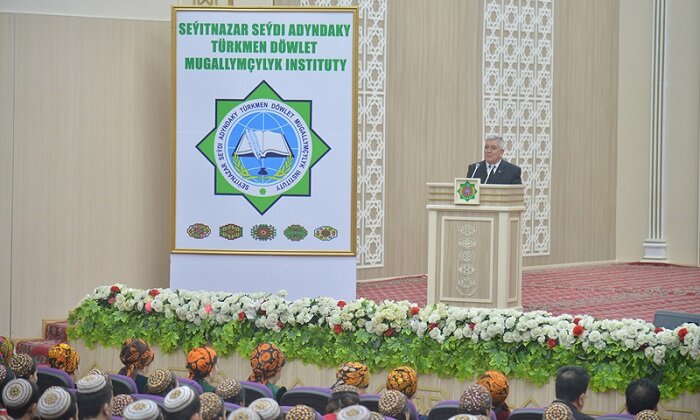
(570, 388)
(493, 169)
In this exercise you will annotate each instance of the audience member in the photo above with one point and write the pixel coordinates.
(468, 417)
(355, 412)
(301, 412)
(353, 373)
(342, 396)
(212, 406)
(497, 385)
(201, 364)
(393, 404)
(119, 403)
(96, 371)
(243, 413)
(94, 398)
(58, 404)
(570, 388)
(160, 382)
(20, 397)
(142, 410)
(267, 408)
(404, 380)
(136, 355)
(6, 375)
(267, 361)
(647, 415)
(475, 400)
(63, 356)
(558, 411)
(231, 391)
(182, 403)
(7, 349)
(23, 366)
(641, 394)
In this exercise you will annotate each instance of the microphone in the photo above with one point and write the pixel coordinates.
(475, 169)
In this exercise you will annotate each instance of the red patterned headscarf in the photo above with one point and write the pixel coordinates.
(136, 354)
(266, 360)
(201, 361)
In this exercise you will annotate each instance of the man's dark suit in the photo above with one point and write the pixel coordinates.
(507, 173)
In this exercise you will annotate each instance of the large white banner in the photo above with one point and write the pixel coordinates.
(265, 130)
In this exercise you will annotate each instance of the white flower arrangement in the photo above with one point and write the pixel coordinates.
(439, 321)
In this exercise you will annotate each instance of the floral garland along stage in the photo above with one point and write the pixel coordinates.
(440, 339)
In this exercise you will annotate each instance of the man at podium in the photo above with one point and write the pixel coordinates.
(493, 169)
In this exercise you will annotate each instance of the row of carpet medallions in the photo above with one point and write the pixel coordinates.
(263, 232)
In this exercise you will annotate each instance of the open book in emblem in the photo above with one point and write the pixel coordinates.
(262, 144)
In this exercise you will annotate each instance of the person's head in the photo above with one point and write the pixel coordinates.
(266, 361)
(475, 400)
(135, 355)
(231, 391)
(160, 382)
(267, 408)
(647, 415)
(212, 406)
(64, 357)
(6, 375)
(243, 413)
(58, 404)
(201, 363)
(571, 385)
(393, 404)
(24, 367)
(641, 394)
(342, 396)
(182, 403)
(355, 412)
(142, 410)
(558, 411)
(7, 348)
(301, 412)
(497, 385)
(94, 397)
(403, 379)
(493, 148)
(353, 373)
(20, 397)
(119, 403)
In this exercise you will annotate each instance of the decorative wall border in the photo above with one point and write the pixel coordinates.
(517, 102)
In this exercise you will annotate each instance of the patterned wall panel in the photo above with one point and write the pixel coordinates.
(517, 83)
(371, 126)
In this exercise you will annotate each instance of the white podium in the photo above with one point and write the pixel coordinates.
(475, 251)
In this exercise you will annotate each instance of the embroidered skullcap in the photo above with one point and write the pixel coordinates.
(647, 415)
(266, 361)
(119, 403)
(353, 373)
(212, 406)
(64, 357)
(229, 389)
(17, 393)
(468, 417)
(135, 354)
(267, 408)
(22, 365)
(373, 415)
(179, 399)
(346, 388)
(403, 379)
(6, 349)
(159, 380)
(55, 402)
(201, 361)
(475, 400)
(301, 412)
(497, 385)
(243, 413)
(95, 371)
(558, 411)
(354, 412)
(392, 403)
(142, 410)
(91, 384)
(6, 375)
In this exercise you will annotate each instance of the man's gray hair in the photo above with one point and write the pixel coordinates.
(498, 139)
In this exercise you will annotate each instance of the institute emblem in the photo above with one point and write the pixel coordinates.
(262, 147)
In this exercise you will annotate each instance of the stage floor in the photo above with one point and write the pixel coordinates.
(604, 291)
